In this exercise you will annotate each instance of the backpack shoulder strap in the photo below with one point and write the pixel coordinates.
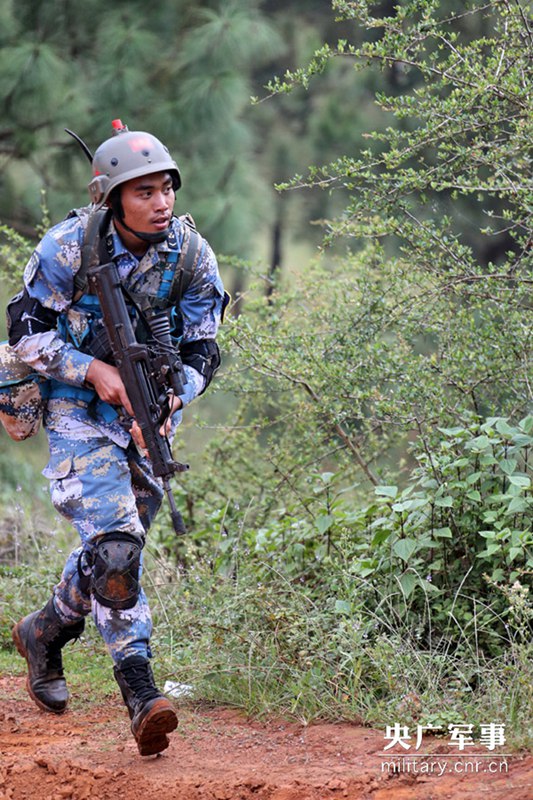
(191, 249)
(93, 249)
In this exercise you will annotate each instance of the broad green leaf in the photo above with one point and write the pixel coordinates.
(380, 536)
(460, 462)
(489, 423)
(514, 552)
(474, 495)
(380, 521)
(444, 502)
(417, 502)
(404, 548)
(408, 582)
(520, 480)
(478, 444)
(343, 607)
(443, 533)
(451, 431)
(386, 491)
(522, 440)
(403, 505)
(364, 572)
(517, 506)
(493, 548)
(324, 523)
(429, 483)
(428, 586)
(508, 465)
(504, 428)
(526, 424)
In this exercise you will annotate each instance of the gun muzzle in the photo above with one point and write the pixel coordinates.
(177, 520)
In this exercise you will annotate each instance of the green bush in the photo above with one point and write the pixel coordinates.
(463, 524)
(279, 646)
(432, 553)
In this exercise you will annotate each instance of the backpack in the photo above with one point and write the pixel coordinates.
(23, 393)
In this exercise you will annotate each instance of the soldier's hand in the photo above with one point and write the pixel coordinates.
(175, 405)
(138, 438)
(108, 384)
(164, 430)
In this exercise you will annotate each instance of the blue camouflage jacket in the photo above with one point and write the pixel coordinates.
(59, 354)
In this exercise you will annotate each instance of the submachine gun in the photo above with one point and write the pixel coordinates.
(152, 373)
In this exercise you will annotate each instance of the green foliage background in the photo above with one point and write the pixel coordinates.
(360, 507)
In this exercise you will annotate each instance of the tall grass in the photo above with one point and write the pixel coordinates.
(270, 647)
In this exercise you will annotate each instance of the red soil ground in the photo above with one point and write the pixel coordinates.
(218, 754)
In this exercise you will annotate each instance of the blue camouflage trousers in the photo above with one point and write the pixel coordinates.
(100, 488)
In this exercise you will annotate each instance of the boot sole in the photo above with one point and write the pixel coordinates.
(151, 735)
(19, 644)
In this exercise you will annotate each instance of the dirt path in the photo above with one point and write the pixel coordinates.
(217, 755)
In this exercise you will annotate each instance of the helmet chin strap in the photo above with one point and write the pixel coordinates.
(151, 238)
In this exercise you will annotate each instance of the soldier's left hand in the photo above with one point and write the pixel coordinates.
(175, 405)
(164, 430)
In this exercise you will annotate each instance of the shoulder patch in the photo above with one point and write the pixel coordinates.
(31, 268)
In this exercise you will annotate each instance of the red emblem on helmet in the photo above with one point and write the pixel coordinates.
(140, 143)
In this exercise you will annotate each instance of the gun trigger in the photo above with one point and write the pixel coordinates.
(125, 421)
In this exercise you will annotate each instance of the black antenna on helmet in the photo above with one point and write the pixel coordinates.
(81, 144)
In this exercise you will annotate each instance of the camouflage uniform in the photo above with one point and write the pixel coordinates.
(100, 481)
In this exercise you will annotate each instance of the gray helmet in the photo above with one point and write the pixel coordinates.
(126, 155)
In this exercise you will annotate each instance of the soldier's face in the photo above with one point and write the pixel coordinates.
(148, 201)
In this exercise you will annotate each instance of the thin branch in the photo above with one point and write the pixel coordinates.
(443, 73)
(339, 430)
(524, 20)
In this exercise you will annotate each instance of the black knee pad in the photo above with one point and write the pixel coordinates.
(115, 570)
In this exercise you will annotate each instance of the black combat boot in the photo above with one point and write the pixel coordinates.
(152, 715)
(39, 638)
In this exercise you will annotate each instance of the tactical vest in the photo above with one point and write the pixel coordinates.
(23, 393)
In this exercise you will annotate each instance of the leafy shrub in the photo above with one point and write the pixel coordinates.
(431, 553)
(278, 646)
(464, 519)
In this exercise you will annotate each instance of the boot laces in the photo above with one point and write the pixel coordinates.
(54, 661)
(140, 680)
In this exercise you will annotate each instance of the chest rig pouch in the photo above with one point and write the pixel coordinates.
(176, 271)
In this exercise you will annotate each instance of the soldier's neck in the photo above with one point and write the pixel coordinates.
(135, 245)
